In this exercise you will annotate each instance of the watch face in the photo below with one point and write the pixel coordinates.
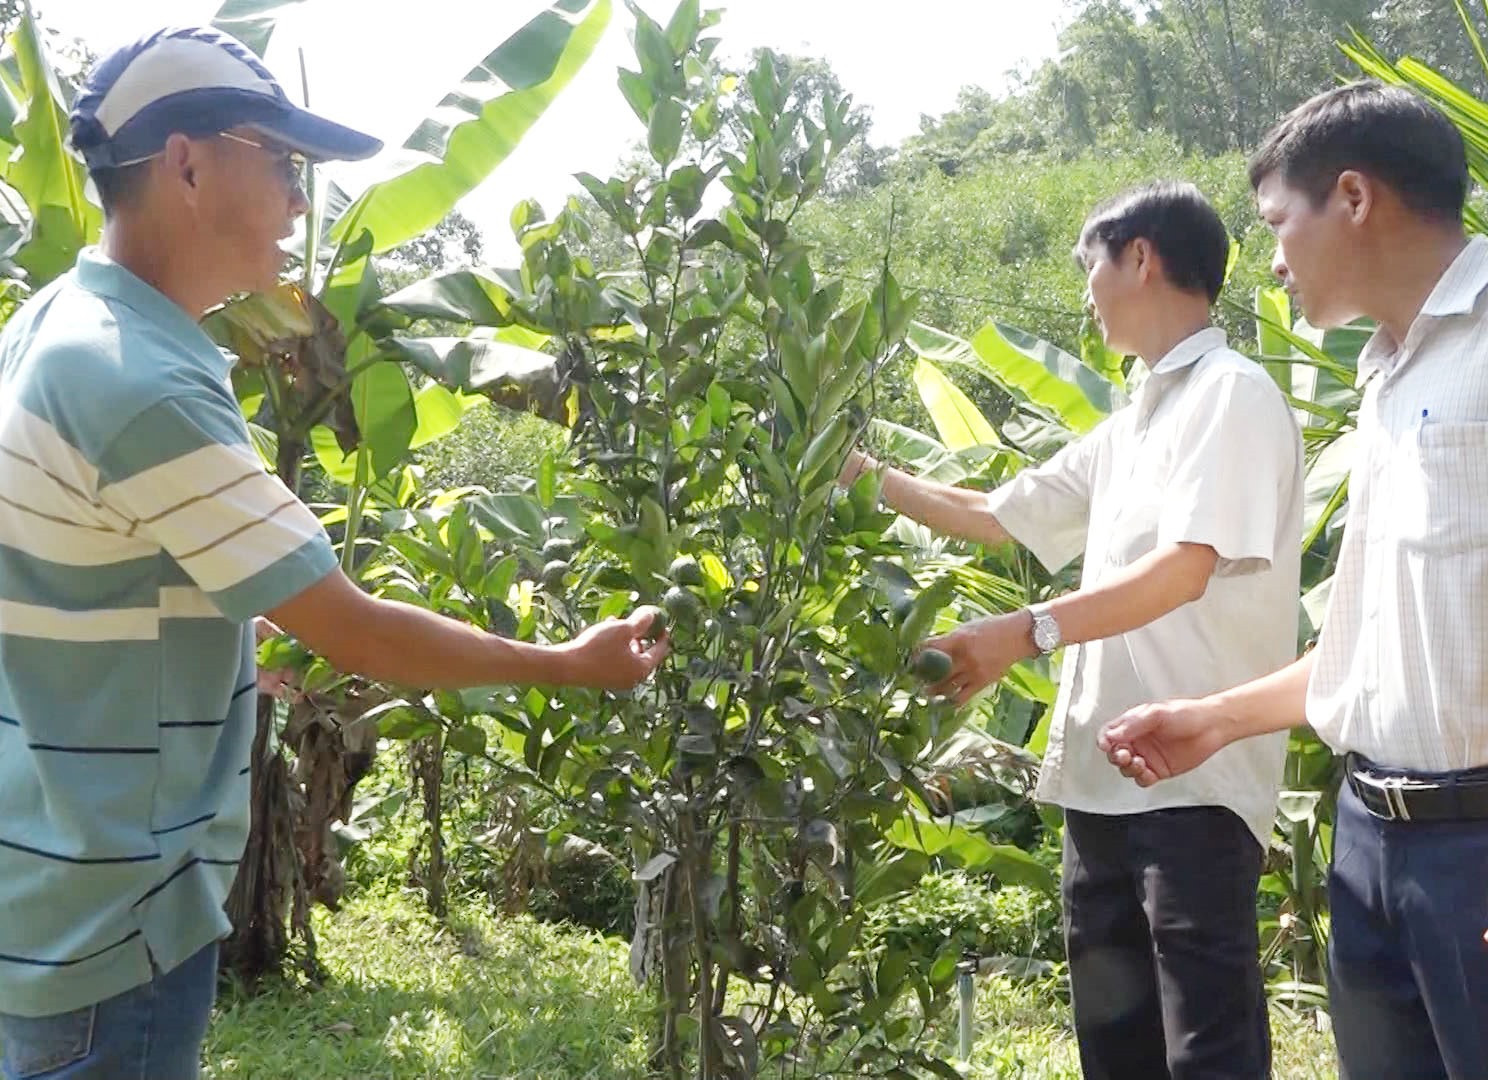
(1045, 634)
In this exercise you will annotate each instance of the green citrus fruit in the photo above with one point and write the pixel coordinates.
(685, 571)
(931, 665)
(553, 574)
(680, 604)
(558, 550)
(659, 622)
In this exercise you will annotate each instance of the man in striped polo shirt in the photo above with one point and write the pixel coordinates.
(139, 537)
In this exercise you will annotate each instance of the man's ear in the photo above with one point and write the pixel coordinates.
(180, 161)
(1143, 258)
(1356, 194)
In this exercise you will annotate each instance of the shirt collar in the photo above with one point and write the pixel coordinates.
(1190, 349)
(100, 275)
(1456, 293)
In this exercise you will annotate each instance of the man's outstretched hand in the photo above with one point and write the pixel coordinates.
(616, 654)
(1163, 740)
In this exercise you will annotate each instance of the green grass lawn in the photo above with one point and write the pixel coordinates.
(409, 999)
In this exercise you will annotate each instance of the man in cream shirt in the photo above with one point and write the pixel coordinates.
(1186, 506)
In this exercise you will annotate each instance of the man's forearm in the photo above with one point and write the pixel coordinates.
(1275, 702)
(947, 510)
(1156, 584)
(395, 642)
(410, 646)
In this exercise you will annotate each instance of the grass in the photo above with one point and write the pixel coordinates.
(1024, 1033)
(486, 997)
(408, 998)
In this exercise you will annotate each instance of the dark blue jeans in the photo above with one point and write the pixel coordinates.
(1408, 976)
(152, 1032)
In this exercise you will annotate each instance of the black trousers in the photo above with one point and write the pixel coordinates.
(1160, 924)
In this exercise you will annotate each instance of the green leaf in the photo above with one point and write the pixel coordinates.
(15, 225)
(478, 124)
(1325, 488)
(891, 971)
(891, 876)
(471, 296)
(1033, 370)
(339, 466)
(510, 375)
(281, 652)
(658, 61)
(353, 289)
(439, 412)
(664, 132)
(547, 479)
(637, 93)
(957, 419)
(467, 739)
(405, 722)
(943, 970)
(1030, 684)
(385, 414)
(921, 618)
(252, 21)
(682, 28)
(1012, 865)
(1097, 356)
(1273, 309)
(42, 169)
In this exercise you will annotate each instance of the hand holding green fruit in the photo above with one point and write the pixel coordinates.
(613, 654)
(975, 655)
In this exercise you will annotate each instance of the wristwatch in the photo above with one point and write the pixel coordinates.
(1046, 635)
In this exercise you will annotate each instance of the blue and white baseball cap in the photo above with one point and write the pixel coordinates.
(196, 81)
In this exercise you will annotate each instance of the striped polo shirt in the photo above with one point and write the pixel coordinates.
(139, 535)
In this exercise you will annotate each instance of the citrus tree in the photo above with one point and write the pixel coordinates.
(770, 778)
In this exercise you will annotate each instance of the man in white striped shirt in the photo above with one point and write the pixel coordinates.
(1364, 187)
(139, 537)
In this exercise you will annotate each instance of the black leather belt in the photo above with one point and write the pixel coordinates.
(1402, 795)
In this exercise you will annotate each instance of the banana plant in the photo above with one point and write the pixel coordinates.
(46, 217)
(375, 414)
(1467, 111)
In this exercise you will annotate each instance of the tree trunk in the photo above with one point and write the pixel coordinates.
(269, 873)
(258, 904)
(426, 758)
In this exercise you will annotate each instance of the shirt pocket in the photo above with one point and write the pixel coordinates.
(1441, 488)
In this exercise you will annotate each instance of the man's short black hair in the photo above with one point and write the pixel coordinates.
(1176, 220)
(117, 186)
(1385, 132)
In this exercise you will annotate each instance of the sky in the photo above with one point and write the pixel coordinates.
(372, 66)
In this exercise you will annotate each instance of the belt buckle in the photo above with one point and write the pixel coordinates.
(1395, 797)
(1391, 789)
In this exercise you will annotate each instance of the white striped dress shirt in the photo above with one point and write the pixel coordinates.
(1400, 674)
